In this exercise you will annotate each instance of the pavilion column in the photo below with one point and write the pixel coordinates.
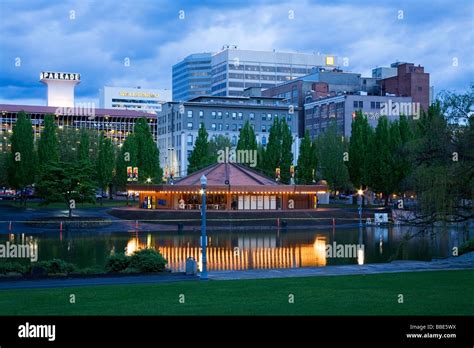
(284, 201)
(228, 203)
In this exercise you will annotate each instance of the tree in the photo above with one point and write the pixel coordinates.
(307, 162)
(126, 157)
(221, 143)
(48, 145)
(330, 150)
(67, 182)
(278, 152)
(84, 147)
(247, 138)
(105, 163)
(199, 157)
(21, 164)
(4, 159)
(380, 160)
(359, 150)
(148, 155)
(286, 153)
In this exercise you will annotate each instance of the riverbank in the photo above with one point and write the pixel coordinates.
(423, 293)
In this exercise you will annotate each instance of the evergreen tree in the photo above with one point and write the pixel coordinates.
(221, 143)
(286, 153)
(359, 151)
(199, 157)
(22, 163)
(148, 155)
(330, 150)
(247, 138)
(272, 158)
(126, 157)
(306, 161)
(105, 163)
(84, 147)
(48, 146)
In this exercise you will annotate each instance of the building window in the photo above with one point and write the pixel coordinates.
(213, 126)
(190, 113)
(234, 140)
(240, 126)
(219, 114)
(234, 115)
(264, 117)
(190, 125)
(213, 114)
(252, 115)
(219, 126)
(269, 117)
(240, 116)
(227, 114)
(190, 139)
(227, 126)
(201, 114)
(358, 104)
(264, 128)
(234, 127)
(420, 88)
(264, 140)
(288, 118)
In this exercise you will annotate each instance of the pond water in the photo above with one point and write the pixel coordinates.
(240, 250)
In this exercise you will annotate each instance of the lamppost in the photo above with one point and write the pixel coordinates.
(203, 228)
(360, 193)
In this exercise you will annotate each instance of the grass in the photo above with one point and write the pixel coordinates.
(425, 293)
(37, 205)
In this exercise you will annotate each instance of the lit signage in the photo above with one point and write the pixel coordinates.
(139, 94)
(329, 60)
(48, 75)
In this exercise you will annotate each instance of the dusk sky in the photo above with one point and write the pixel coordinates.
(94, 38)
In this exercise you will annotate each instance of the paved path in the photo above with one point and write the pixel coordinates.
(465, 261)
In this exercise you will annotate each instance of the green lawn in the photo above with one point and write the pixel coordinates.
(425, 293)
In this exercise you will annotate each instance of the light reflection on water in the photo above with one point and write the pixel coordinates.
(240, 250)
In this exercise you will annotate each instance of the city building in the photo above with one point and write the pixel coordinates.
(133, 98)
(321, 83)
(231, 70)
(192, 77)
(342, 108)
(410, 81)
(116, 124)
(384, 72)
(234, 70)
(178, 124)
(230, 187)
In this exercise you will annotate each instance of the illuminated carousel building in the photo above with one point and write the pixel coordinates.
(230, 186)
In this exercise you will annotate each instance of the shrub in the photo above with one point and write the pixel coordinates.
(466, 246)
(13, 267)
(56, 266)
(148, 260)
(117, 262)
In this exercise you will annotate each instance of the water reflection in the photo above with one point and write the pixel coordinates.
(248, 249)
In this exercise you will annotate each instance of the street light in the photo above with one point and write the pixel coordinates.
(360, 193)
(203, 228)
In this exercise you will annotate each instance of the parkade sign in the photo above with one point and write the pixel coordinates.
(48, 75)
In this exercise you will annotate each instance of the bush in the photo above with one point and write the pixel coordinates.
(56, 266)
(466, 246)
(117, 263)
(148, 260)
(13, 267)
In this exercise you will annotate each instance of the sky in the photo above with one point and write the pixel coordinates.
(94, 38)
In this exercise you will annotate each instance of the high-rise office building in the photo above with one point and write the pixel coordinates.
(231, 70)
(192, 77)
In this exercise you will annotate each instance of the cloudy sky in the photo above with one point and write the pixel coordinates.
(95, 37)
